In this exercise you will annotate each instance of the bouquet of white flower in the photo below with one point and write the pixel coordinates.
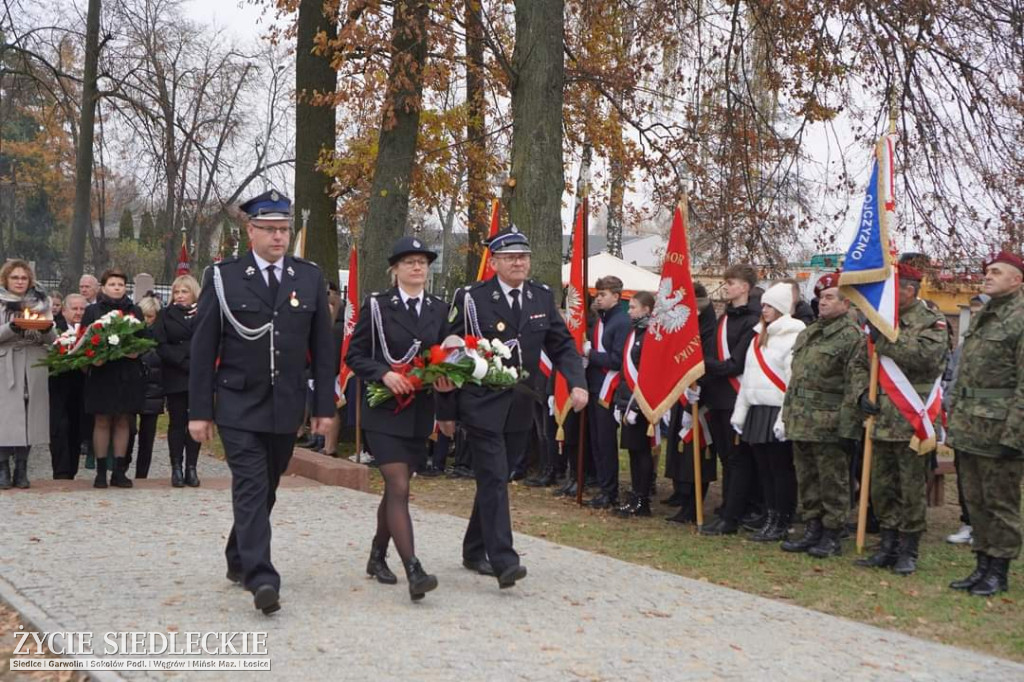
(112, 337)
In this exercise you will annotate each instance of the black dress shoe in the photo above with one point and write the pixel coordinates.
(567, 490)
(431, 471)
(683, 516)
(510, 575)
(721, 527)
(234, 576)
(481, 566)
(602, 501)
(265, 598)
(543, 481)
(461, 472)
(673, 500)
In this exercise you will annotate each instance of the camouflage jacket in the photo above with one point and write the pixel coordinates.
(987, 401)
(920, 352)
(821, 400)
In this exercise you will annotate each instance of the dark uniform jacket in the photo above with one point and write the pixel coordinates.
(366, 359)
(540, 326)
(245, 398)
(632, 436)
(987, 402)
(717, 392)
(613, 338)
(173, 331)
(828, 376)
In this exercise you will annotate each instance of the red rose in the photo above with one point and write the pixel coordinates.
(471, 342)
(97, 325)
(437, 354)
(61, 350)
(89, 352)
(418, 362)
(95, 340)
(416, 382)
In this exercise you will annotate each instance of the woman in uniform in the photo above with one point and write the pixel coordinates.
(393, 328)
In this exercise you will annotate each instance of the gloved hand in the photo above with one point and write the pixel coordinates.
(1006, 452)
(866, 406)
(692, 394)
(617, 415)
(631, 417)
(586, 349)
(738, 428)
(551, 405)
(686, 422)
(666, 418)
(586, 361)
(780, 430)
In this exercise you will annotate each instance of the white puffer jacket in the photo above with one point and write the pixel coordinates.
(756, 388)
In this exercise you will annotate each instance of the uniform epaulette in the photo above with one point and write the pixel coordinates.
(226, 261)
(540, 285)
(476, 285)
(299, 259)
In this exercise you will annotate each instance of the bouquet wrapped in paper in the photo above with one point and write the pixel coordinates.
(112, 337)
(461, 360)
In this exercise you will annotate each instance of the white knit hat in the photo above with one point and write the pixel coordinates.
(780, 297)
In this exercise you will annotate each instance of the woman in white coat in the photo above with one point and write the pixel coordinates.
(757, 416)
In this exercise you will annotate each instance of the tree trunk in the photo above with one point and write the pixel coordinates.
(535, 203)
(81, 221)
(315, 132)
(388, 209)
(478, 221)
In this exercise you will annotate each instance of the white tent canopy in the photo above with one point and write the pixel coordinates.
(633, 278)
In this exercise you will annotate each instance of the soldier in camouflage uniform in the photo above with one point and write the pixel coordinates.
(820, 411)
(899, 474)
(986, 425)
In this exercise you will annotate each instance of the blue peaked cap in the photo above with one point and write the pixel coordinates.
(270, 204)
(509, 240)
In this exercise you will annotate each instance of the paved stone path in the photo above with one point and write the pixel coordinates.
(151, 559)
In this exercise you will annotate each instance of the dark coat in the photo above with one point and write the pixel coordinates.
(246, 397)
(173, 331)
(804, 312)
(717, 392)
(154, 403)
(613, 338)
(539, 327)
(118, 387)
(366, 359)
(632, 436)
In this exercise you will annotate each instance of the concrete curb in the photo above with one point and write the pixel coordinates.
(329, 470)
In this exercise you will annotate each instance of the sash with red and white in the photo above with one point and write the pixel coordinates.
(630, 372)
(545, 364)
(921, 414)
(611, 377)
(773, 375)
(687, 425)
(723, 349)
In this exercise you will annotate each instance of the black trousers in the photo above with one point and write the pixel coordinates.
(641, 469)
(743, 492)
(257, 461)
(965, 516)
(604, 444)
(489, 533)
(65, 425)
(724, 438)
(777, 475)
(147, 435)
(178, 438)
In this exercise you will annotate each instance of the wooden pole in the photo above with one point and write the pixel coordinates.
(865, 472)
(698, 484)
(359, 419)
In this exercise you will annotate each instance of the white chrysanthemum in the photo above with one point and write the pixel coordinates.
(479, 368)
(501, 350)
(113, 339)
(512, 372)
(484, 345)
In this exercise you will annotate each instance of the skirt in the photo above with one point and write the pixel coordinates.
(759, 426)
(388, 449)
(118, 387)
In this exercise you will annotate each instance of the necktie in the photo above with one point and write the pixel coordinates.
(412, 308)
(272, 282)
(517, 309)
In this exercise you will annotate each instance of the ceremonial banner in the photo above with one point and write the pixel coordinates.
(485, 271)
(183, 266)
(300, 243)
(575, 314)
(672, 358)
(868, 278)
(351, 316)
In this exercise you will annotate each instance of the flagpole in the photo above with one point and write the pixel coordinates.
(359, 383)
(585, 293)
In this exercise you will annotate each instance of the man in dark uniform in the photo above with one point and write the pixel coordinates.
(514, 309)
(261, 318)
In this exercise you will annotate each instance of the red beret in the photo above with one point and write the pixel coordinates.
(826, 282)
(909, 272)
(1009, 259)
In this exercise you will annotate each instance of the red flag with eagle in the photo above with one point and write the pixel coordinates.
(351, 316)
(575, 315)
(485, 271)
(672, 358)
(183, 266)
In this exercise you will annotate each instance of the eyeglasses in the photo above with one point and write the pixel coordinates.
(514, 257)
(279, 231)
(414, 262)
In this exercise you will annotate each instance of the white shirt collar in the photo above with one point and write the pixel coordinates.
(263, 264)
(406, 296)
(505, 288)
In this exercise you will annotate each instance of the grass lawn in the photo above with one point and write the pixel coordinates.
(920, 605)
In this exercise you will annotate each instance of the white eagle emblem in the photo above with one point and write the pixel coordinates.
(350, 320)
(573, 308)
(669, 314)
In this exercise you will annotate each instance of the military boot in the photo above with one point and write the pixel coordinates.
(994, 580)
(420, 582)
(907, 561)
(5, 470)
(887, 551)
(829, 545)
(764, 533)
(101, 473)
(979, 572)
(377, 566)
(119, 479)
(629, 508)
(812, 536)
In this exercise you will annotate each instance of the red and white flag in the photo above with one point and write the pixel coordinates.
(485, 271)
(183, 266)
(575, 314)
(672, 358)
(351, 317)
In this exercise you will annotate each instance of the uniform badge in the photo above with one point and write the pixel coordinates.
(514, 229)
(295, 301)
(250, 271)
(452, 314)
(529, 294)
(495, 296)
(291, 271)
(500, 326)
(429, 301)
(417, 244)
(274, 196)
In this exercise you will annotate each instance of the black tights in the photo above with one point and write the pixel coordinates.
(641, 468)
(178, 438)
(393, 520)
